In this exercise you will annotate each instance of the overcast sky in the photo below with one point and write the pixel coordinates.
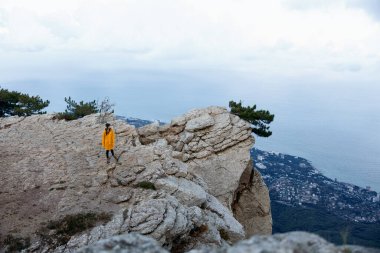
(169, 45)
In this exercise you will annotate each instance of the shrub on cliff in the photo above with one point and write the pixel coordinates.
(260, 119)
(105, 108)
(146, 185)
(16, 243)
(14, 103)
(76, 110)
(60, 231)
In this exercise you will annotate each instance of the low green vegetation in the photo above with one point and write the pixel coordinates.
(15, 243)
(197, 231)
(224, 235)
(14, 103)
(146, 185)
(347, 250)
(76, 110)
(259, 119)
(331, 227)
(60, 231)
(181, 243)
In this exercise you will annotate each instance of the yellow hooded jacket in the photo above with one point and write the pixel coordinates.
(108, 140)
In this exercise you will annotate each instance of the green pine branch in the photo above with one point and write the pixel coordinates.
(259, 119)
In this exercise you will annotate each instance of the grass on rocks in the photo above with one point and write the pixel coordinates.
(59, 232)
(181, 244)
(15, 244)
(146, 185)
(197, 231)
(224, 235)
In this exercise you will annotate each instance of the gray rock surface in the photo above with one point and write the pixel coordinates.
(130, 243)
(252, 204)
(211, 143)
(300, 242)
(52, 168)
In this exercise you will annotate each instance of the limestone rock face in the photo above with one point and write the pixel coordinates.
(280, 243)
(252, 204)
(211, 142)
(131, 243)
(175, 183)
(287, 242)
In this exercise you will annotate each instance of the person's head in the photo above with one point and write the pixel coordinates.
(108, 125)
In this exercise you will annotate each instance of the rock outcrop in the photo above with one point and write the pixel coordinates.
(279, 243)
(252, 204)
(177, 183)
(128, 243)
(210, 142)
(287, 242)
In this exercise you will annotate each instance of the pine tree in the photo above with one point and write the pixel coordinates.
(14, 103)
(76, 110)
(260, 119)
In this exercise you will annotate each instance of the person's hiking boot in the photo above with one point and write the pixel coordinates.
(108, 160)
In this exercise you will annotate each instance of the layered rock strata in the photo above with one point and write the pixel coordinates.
(211, 141)
(175, 183)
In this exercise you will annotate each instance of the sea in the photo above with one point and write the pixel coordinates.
(336, 128)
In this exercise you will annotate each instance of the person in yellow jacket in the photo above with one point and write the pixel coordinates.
(108, 141)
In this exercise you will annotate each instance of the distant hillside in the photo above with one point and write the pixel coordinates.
(304, 199)
(136, 122)
(328, 225)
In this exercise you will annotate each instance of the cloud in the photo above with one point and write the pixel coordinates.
(309, 4)
(372, 7)
(23, 32)
(351, 67)
(276, 37)
(61, 25)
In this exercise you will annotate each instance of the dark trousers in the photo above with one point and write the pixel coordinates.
(108, 151)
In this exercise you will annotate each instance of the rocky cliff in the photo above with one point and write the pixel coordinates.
(186, 184)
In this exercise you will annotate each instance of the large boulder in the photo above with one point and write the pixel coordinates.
(252, 204)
